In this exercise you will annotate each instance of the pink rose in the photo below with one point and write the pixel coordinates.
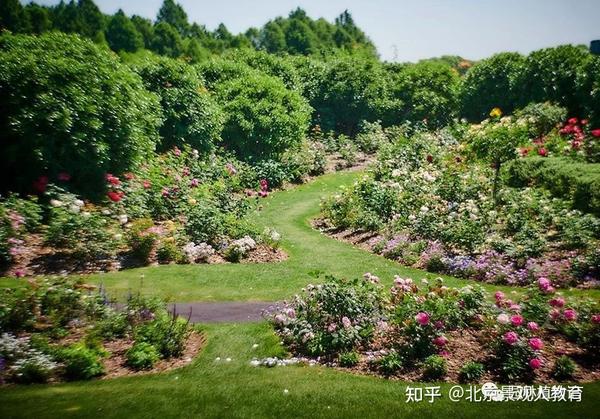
(544, 284)
(346, 322)
(332, 327)
(596, 318)
(570, 314)
(557, 302)
(503, 318)
(499, 295)
(511, 338)
(535, 363)
(516, 320)
(422, 318)
(440, 341)
(533, 326)
(536, 344)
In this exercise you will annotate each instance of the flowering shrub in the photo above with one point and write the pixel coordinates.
(23, 363)
(239, 248)
(198, 252)
(421, 327)
(331, 318)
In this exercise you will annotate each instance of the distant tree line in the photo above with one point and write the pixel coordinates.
(171, 34)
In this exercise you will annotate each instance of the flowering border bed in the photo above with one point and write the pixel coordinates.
(430, 332)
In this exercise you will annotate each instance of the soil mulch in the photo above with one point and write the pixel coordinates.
(363, 239)
(115, 365)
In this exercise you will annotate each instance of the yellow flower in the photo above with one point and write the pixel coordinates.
(192, 201)
(496, 113)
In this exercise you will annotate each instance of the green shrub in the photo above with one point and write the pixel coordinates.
(81, 362)
(191, 115)
(68, 105)
(564, 368)
(434, 367)
(263, 118)
(390, 363)
(471, 372)
(168, 333)
(427, 91)
(493, 82)
(274, 172)
(142, 356)
(348, 359)
(168, 251)
(88, 236)
(588, 86)
(542, 117)
(564, 178)
(552, 75)
(205, 223)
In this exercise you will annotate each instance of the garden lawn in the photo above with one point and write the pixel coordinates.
(209, 388)
(310, 252)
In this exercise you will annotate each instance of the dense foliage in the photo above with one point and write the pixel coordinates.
(57, 329)
(190, 114)
(69, 106)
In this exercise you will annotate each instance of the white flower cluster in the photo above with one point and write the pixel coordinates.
(198, 252)
(278, 362)
(18, 352)
(243, 245)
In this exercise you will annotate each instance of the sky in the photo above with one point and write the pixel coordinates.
(409, 30)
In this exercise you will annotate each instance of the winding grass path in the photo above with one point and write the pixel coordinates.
(217, 389)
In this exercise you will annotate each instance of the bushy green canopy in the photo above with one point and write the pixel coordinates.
(67, 105)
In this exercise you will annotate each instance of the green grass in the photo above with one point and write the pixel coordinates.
(211, 389)
(309, 251)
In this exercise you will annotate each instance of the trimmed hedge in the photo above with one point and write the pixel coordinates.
(579, 182)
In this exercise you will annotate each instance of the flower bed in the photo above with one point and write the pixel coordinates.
(178, 208)
(428, 332)
(58, 330)
(437, 206)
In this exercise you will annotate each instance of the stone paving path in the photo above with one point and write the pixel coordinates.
(222, 312)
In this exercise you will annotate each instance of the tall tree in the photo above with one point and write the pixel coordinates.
(122, 35)
(12, 16)
(167, 40)
(91, 18)
(145, 28)
(300, 39)
(272, 38)
(173, 14)
(38, 18)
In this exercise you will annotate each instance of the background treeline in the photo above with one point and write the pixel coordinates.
(70, 104)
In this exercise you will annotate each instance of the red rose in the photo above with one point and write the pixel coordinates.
(572, 121)
(542, 152)
(64, 177)
(147, 184)
(113, 180)
(596, 132)
(584, 122)
(429, 158)
(114, 196)
(40, 184)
